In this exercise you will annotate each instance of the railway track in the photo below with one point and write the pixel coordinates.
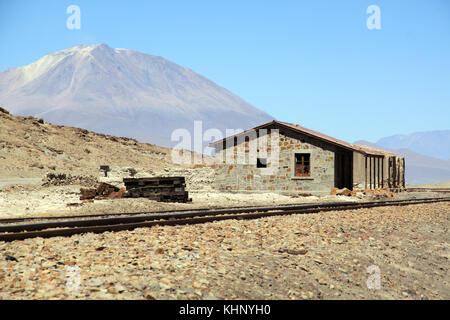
(98, 215)
(120, 223)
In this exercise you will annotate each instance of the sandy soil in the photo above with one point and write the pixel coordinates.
(30, 201)
(14, 181)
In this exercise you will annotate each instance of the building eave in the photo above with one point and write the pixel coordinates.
(308, 132)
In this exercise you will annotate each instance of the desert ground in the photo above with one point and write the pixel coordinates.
(328, 255)
(319, 256)
(38, 201)
(65, 200)
(443, 184)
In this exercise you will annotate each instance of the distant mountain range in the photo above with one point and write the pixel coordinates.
(434, 144)
(124, 93)
(420, 168)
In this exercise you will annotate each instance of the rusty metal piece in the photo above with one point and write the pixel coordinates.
(103, 191)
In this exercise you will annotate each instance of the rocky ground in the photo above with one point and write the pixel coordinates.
(317, 256)
(31, 148)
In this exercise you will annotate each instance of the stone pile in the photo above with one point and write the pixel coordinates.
(375, 193)
(200, 178)
(63, 179)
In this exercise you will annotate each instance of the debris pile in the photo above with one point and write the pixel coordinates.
(375, 193)
(165, 189)
(62, 179)
(103, 191)
(342, 192)
(380, 193)
(298, 195)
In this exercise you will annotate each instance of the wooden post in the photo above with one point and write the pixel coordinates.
(404, 169)
(378, 171)
(365, 172)
(389, 172)
(374, 172)
(394, 172)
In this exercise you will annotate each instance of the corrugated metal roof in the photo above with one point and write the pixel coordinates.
(311, 133)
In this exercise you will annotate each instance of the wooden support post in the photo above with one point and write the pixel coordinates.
(374, 173)
(389, 172)
(394, 172)
(404, 182)
(365, 172)
(378, 172)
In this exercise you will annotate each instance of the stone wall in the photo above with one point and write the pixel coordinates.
(245, 176)
(196, 179)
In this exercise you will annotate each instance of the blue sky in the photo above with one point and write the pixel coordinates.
(314, 63)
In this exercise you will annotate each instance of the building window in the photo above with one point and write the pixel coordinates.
(302, 165)
(261, 163)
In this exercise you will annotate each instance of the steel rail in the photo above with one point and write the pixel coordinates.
(67, 228)
(178, 215)
(96, 215)
(23, 219)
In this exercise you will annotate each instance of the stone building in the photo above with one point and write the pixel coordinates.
(287, 158)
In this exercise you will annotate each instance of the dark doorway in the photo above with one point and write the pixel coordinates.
(343, 169)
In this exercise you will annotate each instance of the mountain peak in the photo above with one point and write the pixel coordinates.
(44, 64)
(122, 92)
(85, 48)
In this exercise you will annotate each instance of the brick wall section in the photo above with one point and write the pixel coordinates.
(247, 177)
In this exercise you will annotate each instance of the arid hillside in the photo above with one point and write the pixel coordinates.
(31, 148)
